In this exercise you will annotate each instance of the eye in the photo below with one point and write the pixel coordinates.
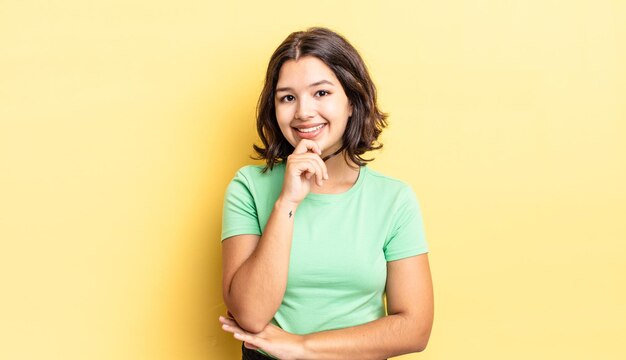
(321, 93)
(287, 98)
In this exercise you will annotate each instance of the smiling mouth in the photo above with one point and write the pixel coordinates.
(310, 132)
(310, 129)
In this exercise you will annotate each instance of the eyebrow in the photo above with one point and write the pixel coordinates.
(312, 85)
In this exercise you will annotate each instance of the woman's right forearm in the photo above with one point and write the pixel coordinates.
(257, 288)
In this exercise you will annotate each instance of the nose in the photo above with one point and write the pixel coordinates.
(305, 110)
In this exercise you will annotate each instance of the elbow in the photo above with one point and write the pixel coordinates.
(250, 323)
(254, 327)
(419, 335)
(421, 341)
(250, 318)
(420, 346)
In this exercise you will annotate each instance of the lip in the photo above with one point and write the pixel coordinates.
(309, 135)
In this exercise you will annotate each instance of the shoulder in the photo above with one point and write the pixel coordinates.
(254, 173)
(388, 185)
(392, 194)
(254, 179)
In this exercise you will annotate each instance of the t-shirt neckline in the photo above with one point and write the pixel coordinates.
(342, 195)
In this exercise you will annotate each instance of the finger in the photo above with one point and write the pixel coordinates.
(250, 346)
(232, 328)
(302, 166)
(322, 171)
(313, 168)
(251, 340)
(306, 145)
(228, 321)
(319, 173)
(317, 162)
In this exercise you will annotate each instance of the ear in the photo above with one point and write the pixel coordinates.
(351, 108)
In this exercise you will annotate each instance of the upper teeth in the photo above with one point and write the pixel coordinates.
(307, 130)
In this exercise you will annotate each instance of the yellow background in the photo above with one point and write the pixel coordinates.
(121, 122)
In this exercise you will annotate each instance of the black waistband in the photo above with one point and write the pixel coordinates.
(248, 354)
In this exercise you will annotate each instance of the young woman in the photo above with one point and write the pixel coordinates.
(314, 240)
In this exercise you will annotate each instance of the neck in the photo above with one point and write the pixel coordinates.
(341, 176)
(338, 164)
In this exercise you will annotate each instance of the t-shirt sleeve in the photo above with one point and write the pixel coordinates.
(407, 236)
(239, 214)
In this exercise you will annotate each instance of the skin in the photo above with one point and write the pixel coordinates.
(308, 94)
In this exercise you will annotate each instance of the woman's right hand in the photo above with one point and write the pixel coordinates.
(303, 167)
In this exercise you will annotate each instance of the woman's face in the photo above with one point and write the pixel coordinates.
(311, 104)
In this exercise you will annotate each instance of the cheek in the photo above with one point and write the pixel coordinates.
(337, 112)
(283, 117)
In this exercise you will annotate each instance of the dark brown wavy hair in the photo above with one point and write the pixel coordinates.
(366, 122)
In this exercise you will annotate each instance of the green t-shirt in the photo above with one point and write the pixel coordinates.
(340, 248)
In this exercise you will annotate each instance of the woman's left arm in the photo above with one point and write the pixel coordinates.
(406, 329)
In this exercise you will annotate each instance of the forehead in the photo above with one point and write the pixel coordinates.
(304, 71)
